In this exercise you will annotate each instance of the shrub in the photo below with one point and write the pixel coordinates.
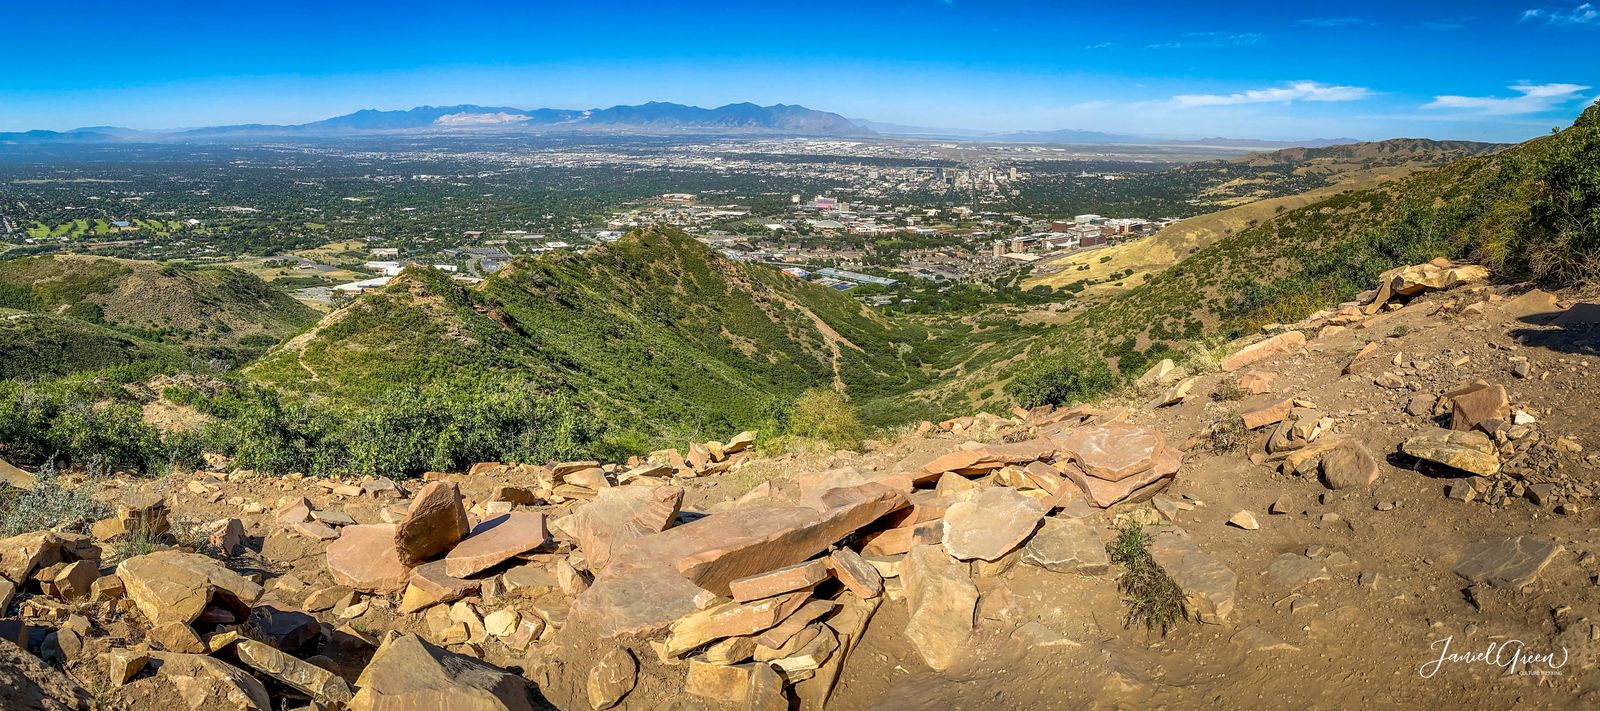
(1062, 380)
(1153, 599)
(52, 505)
(825, 414)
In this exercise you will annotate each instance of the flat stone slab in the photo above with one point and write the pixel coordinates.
(744, 555)
(942, 603)
(990, 523)
(1511, 563)
(1208, 586)
(1112, 452)
(1067, 545)
(365, 558)
(1283, 343)
(1295, 571)
(495, 541)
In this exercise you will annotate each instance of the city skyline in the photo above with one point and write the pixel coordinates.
(1249, 71)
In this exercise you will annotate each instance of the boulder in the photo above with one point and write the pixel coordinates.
(1363, 360)
(1256, 382)
(288, 630)
(1209, 587)
(435, 522)
(365, 558)
(408, 673)
(495, 541)
(990, 523)
(1103, 494)
(620, 514)
(1417, 278)
(174, 586)
(15, 477)
(321, 685)
(1161, 373)
(1349, 466)
(1471, 452)
(1281, 344)
(1067, 545)
(1261, 414)
(942, 603)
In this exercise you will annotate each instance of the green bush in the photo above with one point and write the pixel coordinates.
(825, 414)
(78, 422)
(51, 505)
(1061, 381)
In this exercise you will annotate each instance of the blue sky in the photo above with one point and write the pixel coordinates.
(1493, 70)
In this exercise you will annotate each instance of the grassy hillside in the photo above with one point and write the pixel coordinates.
(213, 312)
(41, 346)
(1529, 212)
(655, 333)
(1248, 191)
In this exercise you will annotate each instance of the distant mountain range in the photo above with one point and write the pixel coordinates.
(652, 117)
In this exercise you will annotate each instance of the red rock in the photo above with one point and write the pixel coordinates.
(731, 619)
(495, 541)
(365, 558)
(431, 585)
(1362, 360)
(618, 515)
(1280, 344)
(857, 575)
(1101, 493)
(642, 591)
(1257, 382)
(1266, 413)
(1112, 451)
(800, 576)
(746, 555)
(1477, 404)
(435, 522)
(985, 459)
(990, 523)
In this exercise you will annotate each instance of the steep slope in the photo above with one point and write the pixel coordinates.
(34, 346)
(1247, 191)
(655, 332)
(211, 311)
(1532, 211)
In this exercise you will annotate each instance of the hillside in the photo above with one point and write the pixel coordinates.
(36, 345)
(214, 312)
(655, 333)
(1247, 191)
(1528, 212)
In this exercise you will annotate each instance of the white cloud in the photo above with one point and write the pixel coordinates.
(1210, 40)
(1293, 91)
(1331, 21)
(1531, 99)
(1585, 14)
